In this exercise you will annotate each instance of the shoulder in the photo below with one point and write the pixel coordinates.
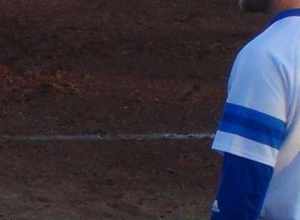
(276, 45)
(257, 57)
(260, 63)
(257, 51)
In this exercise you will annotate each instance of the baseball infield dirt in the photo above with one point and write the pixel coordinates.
(89, 67)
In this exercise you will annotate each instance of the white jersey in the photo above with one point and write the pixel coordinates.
(261, 119)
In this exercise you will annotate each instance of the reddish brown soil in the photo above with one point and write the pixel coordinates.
(74, 66)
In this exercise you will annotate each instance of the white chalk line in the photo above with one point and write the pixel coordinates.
(107, 137)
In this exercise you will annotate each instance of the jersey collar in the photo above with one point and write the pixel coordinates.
(286, 13)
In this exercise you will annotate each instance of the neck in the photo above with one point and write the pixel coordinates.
(281, 5)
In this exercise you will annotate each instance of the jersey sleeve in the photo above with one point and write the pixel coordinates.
(253, 124)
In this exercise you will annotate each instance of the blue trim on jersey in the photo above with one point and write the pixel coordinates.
(253, 125)
(286, 13)
(242, 190)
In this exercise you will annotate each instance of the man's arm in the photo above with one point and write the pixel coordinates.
(242, 191)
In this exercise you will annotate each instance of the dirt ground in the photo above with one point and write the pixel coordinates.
(89, 67)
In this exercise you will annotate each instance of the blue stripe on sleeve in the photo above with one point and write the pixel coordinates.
(253, 125)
